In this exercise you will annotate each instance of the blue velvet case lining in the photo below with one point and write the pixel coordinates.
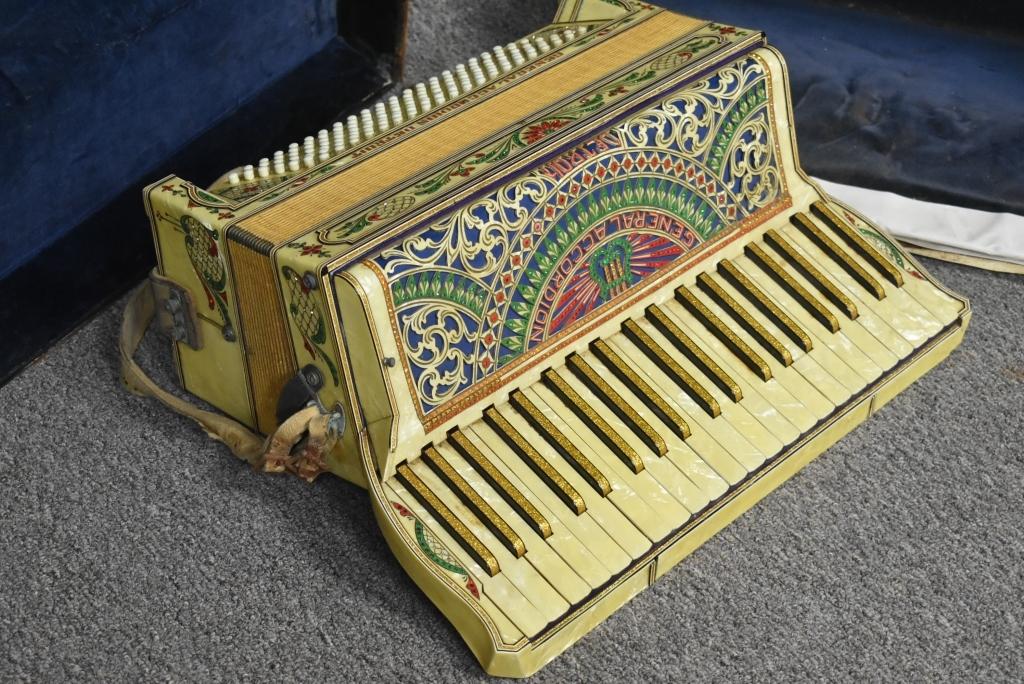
(94, 94)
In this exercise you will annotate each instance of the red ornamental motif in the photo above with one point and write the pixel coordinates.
(542, 130)
(308, 250)
(471, 585)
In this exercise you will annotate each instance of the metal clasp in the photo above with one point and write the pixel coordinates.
(175, 311)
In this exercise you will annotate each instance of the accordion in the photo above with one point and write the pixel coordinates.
(564, 311)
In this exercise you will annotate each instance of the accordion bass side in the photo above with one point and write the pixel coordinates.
(577, 303)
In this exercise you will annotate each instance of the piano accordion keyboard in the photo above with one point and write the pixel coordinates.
(619, 446)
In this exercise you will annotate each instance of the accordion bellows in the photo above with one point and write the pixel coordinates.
(576, 300)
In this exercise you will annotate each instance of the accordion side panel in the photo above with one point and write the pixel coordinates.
(191, 246)
(315, 336)
(385, 406)
(264, 335)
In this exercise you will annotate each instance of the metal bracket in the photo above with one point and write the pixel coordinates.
(300, 391)
(175, 311)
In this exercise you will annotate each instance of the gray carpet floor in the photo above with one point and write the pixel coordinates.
(134, 548)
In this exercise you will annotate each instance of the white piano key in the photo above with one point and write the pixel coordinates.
(308, 146)
(518, 570)
(876, 319)
(540, 553)
(542, 44)
(263, 170)
(580, 528)
(293, 157)
(684, 454)
(762, 397)
(645, 502)
(716, 440)
(248, 173)
(279, 163)
(234, 178)
(583, 554)
(509, 600)
(769, 434)
(663, 470)
(528, 49)
(607, 515)
(569, 35)
(803, 363)
(900, 298)
(839, 343)
(819, 360)
(643, 485)
(811, 397)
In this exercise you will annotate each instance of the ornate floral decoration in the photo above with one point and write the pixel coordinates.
(203, 252)
(433, 549)
(304, 308)
(486, 284)
(356, 228)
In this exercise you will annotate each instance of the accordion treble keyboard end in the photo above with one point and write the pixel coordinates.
(576, 299)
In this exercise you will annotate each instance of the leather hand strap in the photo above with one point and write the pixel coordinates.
(272, 454)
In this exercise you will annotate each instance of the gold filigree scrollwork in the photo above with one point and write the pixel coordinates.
(751, 163)
(432, 334)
